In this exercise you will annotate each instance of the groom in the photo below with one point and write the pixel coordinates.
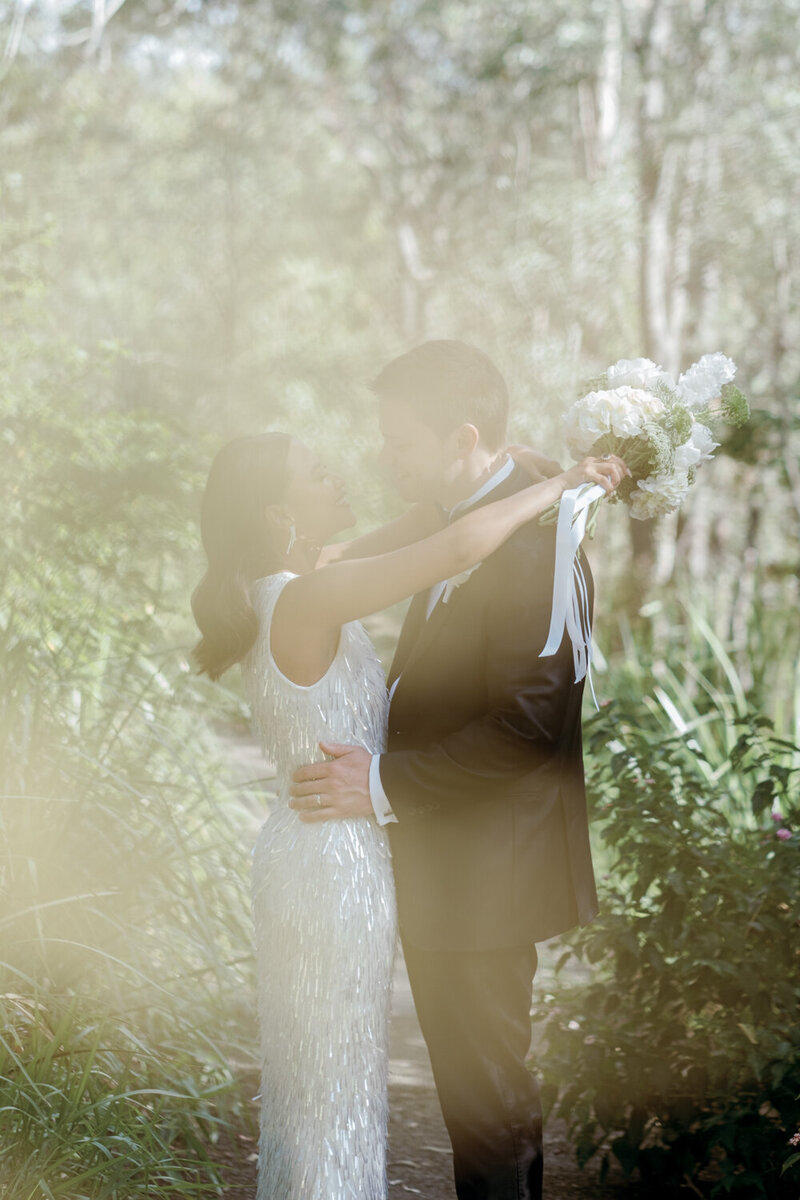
(482, 783)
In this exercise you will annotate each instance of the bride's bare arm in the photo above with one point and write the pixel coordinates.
(422, 520)
(416, 523)
(315, 604)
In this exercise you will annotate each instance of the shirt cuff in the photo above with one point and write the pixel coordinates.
(380, 801)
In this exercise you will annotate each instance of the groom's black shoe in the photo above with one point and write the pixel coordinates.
(474, 1010)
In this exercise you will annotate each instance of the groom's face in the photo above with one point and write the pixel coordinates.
(417, 458)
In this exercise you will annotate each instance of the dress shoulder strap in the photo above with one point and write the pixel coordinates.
(264, 593)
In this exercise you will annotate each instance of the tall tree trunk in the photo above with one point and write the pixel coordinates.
(655, 187)
(671, 174)
(609, 87)
(415, 277)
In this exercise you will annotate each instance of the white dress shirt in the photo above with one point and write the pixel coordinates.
(380, 801)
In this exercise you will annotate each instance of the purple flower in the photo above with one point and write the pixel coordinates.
(784, 834)
(776, 816)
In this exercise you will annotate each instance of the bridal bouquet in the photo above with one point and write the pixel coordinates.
(662, 429)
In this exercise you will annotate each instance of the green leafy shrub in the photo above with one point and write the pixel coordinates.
(678, 1034)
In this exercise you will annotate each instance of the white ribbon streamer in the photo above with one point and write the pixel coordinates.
(570, 594)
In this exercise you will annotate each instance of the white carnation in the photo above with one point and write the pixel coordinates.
(637, 373)
(622, 411)
(704, 380)
(699, 448)
(658, 495)
(646, 505)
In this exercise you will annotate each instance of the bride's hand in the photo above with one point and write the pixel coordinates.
(608, 471)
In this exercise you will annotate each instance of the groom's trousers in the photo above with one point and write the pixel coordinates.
(474, 1011)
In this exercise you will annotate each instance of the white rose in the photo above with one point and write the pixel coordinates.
(622, 411)
(704, 380)
(699, 448)
(630, 408)
(637, 373)
(585, 421)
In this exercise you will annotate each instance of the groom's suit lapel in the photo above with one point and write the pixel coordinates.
(423, 632)
(417, 633)
(415, 618)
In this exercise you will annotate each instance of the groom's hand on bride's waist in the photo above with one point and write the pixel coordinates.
(338, 787)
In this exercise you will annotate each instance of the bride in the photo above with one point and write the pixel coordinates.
(280, 601)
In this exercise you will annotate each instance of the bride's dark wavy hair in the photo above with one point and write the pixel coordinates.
(246, 477)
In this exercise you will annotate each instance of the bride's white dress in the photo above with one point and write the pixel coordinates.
(325, 930)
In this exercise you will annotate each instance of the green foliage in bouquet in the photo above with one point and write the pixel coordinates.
(735, 406)
(652, 453)
(677, 423)
(682, 1047)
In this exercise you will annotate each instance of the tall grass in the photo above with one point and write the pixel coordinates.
(696, 684)
(125, 965)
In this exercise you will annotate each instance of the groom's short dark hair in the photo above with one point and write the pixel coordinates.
(448, 384)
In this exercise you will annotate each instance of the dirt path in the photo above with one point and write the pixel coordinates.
(419, 1158)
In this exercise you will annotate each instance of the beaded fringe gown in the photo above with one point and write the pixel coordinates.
(325, 932)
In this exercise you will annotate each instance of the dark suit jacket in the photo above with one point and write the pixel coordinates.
(484, 768)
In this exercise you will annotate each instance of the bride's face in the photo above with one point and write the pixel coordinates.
(315, 497)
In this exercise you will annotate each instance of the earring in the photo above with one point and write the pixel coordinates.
(292, 537)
